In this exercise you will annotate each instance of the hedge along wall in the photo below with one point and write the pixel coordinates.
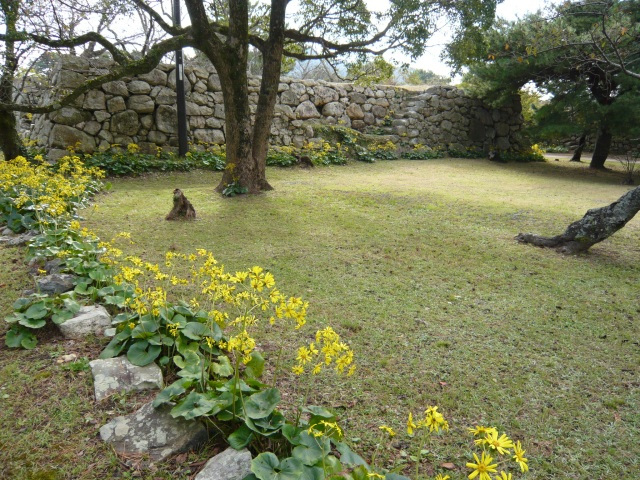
(142, 110)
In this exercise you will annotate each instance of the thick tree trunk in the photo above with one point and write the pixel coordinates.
(272, 66)
(578, 151)
(10, 141)
(597, 225)
(601, 150)
(247, 144)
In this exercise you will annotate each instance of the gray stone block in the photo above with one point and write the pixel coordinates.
(114, 375)
(228, 465)
(55, 283)
(153, 432)
(89, 320)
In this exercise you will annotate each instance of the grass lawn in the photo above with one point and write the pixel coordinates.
(414, 264)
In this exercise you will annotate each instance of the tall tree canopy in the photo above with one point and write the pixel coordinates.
(585, 54)
(226, 31)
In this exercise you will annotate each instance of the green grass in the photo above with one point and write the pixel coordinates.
(414, 263)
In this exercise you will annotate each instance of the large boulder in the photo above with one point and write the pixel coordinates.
(94, 100)
(115, 375)
(154, 77)
(209, 136)
(141, 104)
(125, 123)
(55, 283)
(153, 432)
(167, 119)
(228, 465)
(354, 111)
(306, 110)
(69, 116)
(90, 320)
(324, 95)
(63, 136)
(116, 104)
(333, 109)
(117, 87)
(138, 87)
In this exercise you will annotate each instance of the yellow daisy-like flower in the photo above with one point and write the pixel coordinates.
(440, 476)
(483, 467)
(478, 430)
(501, 445)
(374, 475)
(410, 424)
(504, 476)
(298, 369)
(518, 456)
(388, 430)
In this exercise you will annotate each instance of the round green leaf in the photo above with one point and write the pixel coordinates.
(194, 330)
(141, 353)
(261, 404)
(37, 311)
(266, 467)
(31, 323)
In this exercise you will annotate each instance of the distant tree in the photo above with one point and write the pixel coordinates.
(418, 76)
(585, 54)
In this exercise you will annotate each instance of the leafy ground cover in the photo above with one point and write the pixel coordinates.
(414, 263)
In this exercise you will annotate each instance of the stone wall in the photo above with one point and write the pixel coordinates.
(142, 110)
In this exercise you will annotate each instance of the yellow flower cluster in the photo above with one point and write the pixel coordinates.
(325, 429)
(433, 420)
(251, 293)
(328, 346)
(491, 441)
(46, 189)
(389, 146)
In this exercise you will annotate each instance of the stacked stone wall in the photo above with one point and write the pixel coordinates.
(142, 110)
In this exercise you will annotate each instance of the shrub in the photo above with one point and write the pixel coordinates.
(119, 162)
(35, 194)
(421, 152)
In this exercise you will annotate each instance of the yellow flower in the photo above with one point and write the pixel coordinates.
(478, 430)
(317, 369)
(518, 456)
(503, 476)
(442, 477)
(298, 369)
(304, 355)
(375, 475)
(410, 424)
(501, 445)
(388, 430)
(434, 419)
(482, 467)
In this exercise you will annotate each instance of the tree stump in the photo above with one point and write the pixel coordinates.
(182, 208)
(597, 225)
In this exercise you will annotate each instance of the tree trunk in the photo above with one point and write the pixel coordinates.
(578, 151)
(247, 144)
(597, 225)
(601, 150)
(10, 141)
(271, 68)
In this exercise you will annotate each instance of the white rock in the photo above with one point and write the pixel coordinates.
(114, 375)
(228, 465)
(89, 320)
